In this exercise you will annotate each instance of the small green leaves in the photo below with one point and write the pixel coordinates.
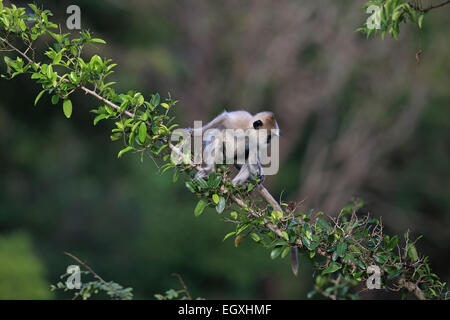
(201, 205)
(215, 198)
(386, 17)
(67, 108)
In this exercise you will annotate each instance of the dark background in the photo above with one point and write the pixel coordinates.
(358, 117)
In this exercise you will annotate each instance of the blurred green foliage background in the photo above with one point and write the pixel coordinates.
(358, 117)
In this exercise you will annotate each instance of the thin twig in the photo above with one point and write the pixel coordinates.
(431, 7)
(185, 289)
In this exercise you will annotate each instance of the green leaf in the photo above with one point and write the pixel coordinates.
(285, 235)
(306, 242)
(22, 25)
(57, 58)
(228, 235)
(36, 76)
(255, 237)
(394, 273)
(221, 205)
(73, 77)
(55, 99)
(420, 20)
(201, 205)
(190, 186)
(124, 150)
(323, 224)
(341, 248)
(155, 100)
(392, 244)
(96, 60)
(98, 40)
(99, 117)
(175, 176)
(275, 253)
(202, 183)
(332, 267)
(215, 198)
(277, 215)
(38, 97)
(412, 253)
(142, 132)
(285, 252)
(67, 108)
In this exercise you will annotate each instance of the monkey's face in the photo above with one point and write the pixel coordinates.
(266, 121)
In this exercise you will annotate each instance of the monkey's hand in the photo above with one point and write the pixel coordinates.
(259, 174)
(190, 131)
(261, 177)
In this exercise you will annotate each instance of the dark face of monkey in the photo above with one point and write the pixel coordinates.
(266, 120)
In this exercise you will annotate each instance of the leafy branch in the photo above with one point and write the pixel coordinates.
(88, 289)
(340, 248)
(387, 15)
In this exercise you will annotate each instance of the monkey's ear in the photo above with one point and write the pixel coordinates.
(257, 124)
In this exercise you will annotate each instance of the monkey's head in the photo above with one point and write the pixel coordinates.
(266, 120)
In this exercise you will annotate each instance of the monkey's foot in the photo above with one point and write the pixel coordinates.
(201, 174)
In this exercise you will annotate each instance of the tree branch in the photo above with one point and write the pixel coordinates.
(431, 7)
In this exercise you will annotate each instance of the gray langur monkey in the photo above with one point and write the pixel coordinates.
(245, 149)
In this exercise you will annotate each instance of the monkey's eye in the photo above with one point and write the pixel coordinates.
(257, 124)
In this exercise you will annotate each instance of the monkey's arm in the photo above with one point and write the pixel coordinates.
(247, 170)
(212, 154)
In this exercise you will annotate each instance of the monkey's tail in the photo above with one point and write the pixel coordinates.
(294, 260)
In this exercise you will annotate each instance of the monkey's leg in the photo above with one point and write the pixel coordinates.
(205, 172)
(242, 176)
(209, 156)
(256, 169)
